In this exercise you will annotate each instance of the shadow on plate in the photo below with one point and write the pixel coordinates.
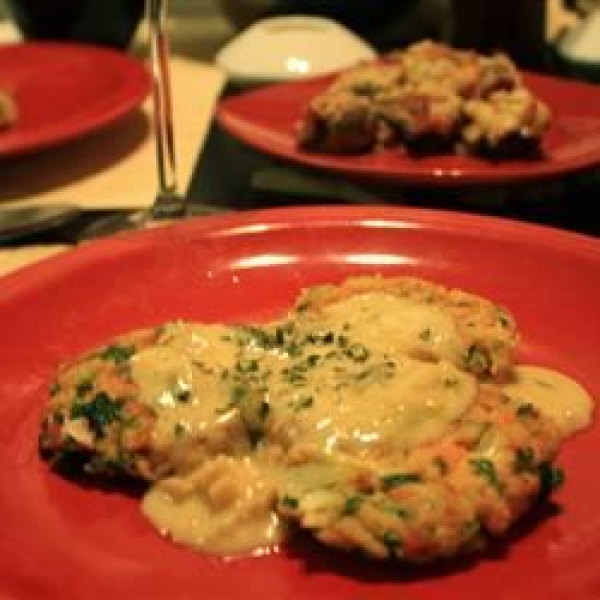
(73, 161)
(317, 558)
(69, 467)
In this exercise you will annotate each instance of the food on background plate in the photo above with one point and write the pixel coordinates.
(383, 415)
(430, 98)
(8, 110)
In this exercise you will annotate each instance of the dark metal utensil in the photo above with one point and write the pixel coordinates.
(17, 223)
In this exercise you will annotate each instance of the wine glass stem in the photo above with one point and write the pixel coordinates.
(168, 202)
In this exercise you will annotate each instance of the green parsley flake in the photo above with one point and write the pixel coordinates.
(101, 411)
(352, 505)
(290, 502)
(393, 480)
(118, 354)
(486, 469)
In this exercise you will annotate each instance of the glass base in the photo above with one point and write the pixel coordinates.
(123, 221)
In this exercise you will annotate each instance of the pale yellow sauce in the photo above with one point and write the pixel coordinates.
(223, 507)
(392, 324)
(382, 376)
(554, 394)
(411, 406)
(181, 380)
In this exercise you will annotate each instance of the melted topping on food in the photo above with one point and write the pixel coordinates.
(388, 323)
(308, 380)
(554, 395)
(398, 405)
(249, 416)
(223, 507)
(183, 378)
(368, 376)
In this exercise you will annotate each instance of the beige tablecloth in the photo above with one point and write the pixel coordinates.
(12, 259)
(116, 167)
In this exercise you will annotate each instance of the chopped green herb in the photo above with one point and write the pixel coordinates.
(352, 505)
(54, 389)
(238, 393)
(364, 374)
(392, 542)
(313, 360)
(396, 510)
(320, 338)
(342, 341)
(180, 390)
(58, 417)
(264, 410)
(393, 480)
(204, 368)
(441, 465)
(425, 335)
(266, 339)
(503, 320)
(526, 410)
(246, 366)
(118, 354)
(124, 458)
(303, 403)
(290, 502)
(357, 352)
(279, 336)
(477, 359)
(302, 307)
(471, 528)
(366, 88)
(256, 336)
(485, 468)
(101, 411)
(551, 478)
(525, 461)
(85, 386)
(183, 395)
(294, 375)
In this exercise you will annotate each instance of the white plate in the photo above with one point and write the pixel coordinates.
(291, 47)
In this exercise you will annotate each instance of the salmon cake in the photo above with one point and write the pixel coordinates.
(434, 499)
(383, 415)
(427, 97)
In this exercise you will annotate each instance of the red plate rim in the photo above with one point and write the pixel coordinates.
(322, 216)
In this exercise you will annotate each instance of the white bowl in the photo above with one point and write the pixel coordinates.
(291, 47)
(582, 42)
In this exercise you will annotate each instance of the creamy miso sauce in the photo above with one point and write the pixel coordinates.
(223, 507)
(392, 324)
(357, 381)
(554, 394)
(364, 411)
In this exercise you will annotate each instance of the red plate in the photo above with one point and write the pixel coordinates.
(62, 541)
(267, 119)
(63, 91)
